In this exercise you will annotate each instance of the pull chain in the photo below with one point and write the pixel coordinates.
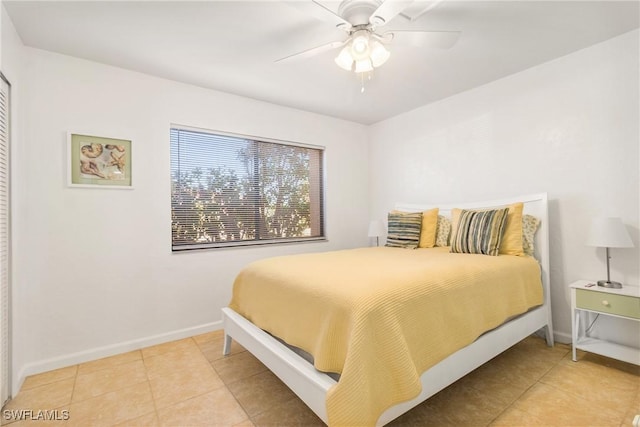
(362, 80)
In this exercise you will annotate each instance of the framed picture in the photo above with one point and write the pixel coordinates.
(99, 162)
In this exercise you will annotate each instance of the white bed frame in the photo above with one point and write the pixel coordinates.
(312, 385)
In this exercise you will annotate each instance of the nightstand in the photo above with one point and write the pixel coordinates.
(623, 303)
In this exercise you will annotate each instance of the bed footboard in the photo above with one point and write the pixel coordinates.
(312, 385)
(299, 375)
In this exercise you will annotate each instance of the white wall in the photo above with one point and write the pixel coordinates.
(568, 127)
(95, 267)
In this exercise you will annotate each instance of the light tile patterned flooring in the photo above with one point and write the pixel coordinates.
(189, 383)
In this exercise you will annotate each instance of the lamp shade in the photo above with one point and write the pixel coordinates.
(363, 66)
(376, 229)
(608, 233)
(379, 54)
(344, 59)
(360, 45)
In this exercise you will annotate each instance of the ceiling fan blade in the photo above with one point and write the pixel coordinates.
(330, 16)
(419, 8)
(435, 39)
(319, 11)
(388, 10)
(313, 51)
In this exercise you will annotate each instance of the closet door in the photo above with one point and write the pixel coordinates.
(5, 376)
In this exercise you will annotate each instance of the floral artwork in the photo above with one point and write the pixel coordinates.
(99, 161)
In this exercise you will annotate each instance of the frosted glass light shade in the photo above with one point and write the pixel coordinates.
(360, 45)
(363, 66)
(379, 54)
(344, 59)
(608, 233)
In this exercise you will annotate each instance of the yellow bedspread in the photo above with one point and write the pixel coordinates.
(382, 316)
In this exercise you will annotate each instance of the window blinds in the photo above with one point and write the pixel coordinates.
(229, 190)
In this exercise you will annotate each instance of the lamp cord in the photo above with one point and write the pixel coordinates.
(592, 323)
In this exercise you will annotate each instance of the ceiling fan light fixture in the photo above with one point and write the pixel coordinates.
(379, 54)
(344, 59)
(363, 66)
(360, 48)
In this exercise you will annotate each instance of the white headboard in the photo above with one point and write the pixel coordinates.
(534, 204)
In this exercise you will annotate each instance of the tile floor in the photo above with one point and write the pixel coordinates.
(189, 383)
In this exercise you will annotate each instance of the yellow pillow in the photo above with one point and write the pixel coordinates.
(455, 216)
(511, 243)
(429, 227)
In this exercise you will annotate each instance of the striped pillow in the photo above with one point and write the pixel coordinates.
(479, 232)
(404, 230)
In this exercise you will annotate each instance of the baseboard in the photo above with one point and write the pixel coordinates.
(562, 337)
(106, 351)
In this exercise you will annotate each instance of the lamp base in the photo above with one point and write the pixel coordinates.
(609, 284)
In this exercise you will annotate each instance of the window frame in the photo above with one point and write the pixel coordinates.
(256, 242)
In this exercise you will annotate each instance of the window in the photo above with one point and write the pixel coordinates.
(230, 190)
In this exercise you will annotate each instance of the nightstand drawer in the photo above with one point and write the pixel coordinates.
(621, 305)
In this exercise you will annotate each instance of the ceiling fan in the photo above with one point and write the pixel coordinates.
(364, 22)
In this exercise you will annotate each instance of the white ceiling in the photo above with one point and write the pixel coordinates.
(231, 46)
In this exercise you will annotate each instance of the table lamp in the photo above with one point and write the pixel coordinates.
(376, 229)
(608, 233)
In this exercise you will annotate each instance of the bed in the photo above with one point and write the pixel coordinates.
(392, 392)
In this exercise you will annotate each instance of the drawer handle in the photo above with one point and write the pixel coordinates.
(605, 303)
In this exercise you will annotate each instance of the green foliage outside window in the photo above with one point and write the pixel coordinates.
(245, 191)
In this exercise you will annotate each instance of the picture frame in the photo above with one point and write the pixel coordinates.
(98, 161)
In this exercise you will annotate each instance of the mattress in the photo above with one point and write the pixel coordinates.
(380, 317)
